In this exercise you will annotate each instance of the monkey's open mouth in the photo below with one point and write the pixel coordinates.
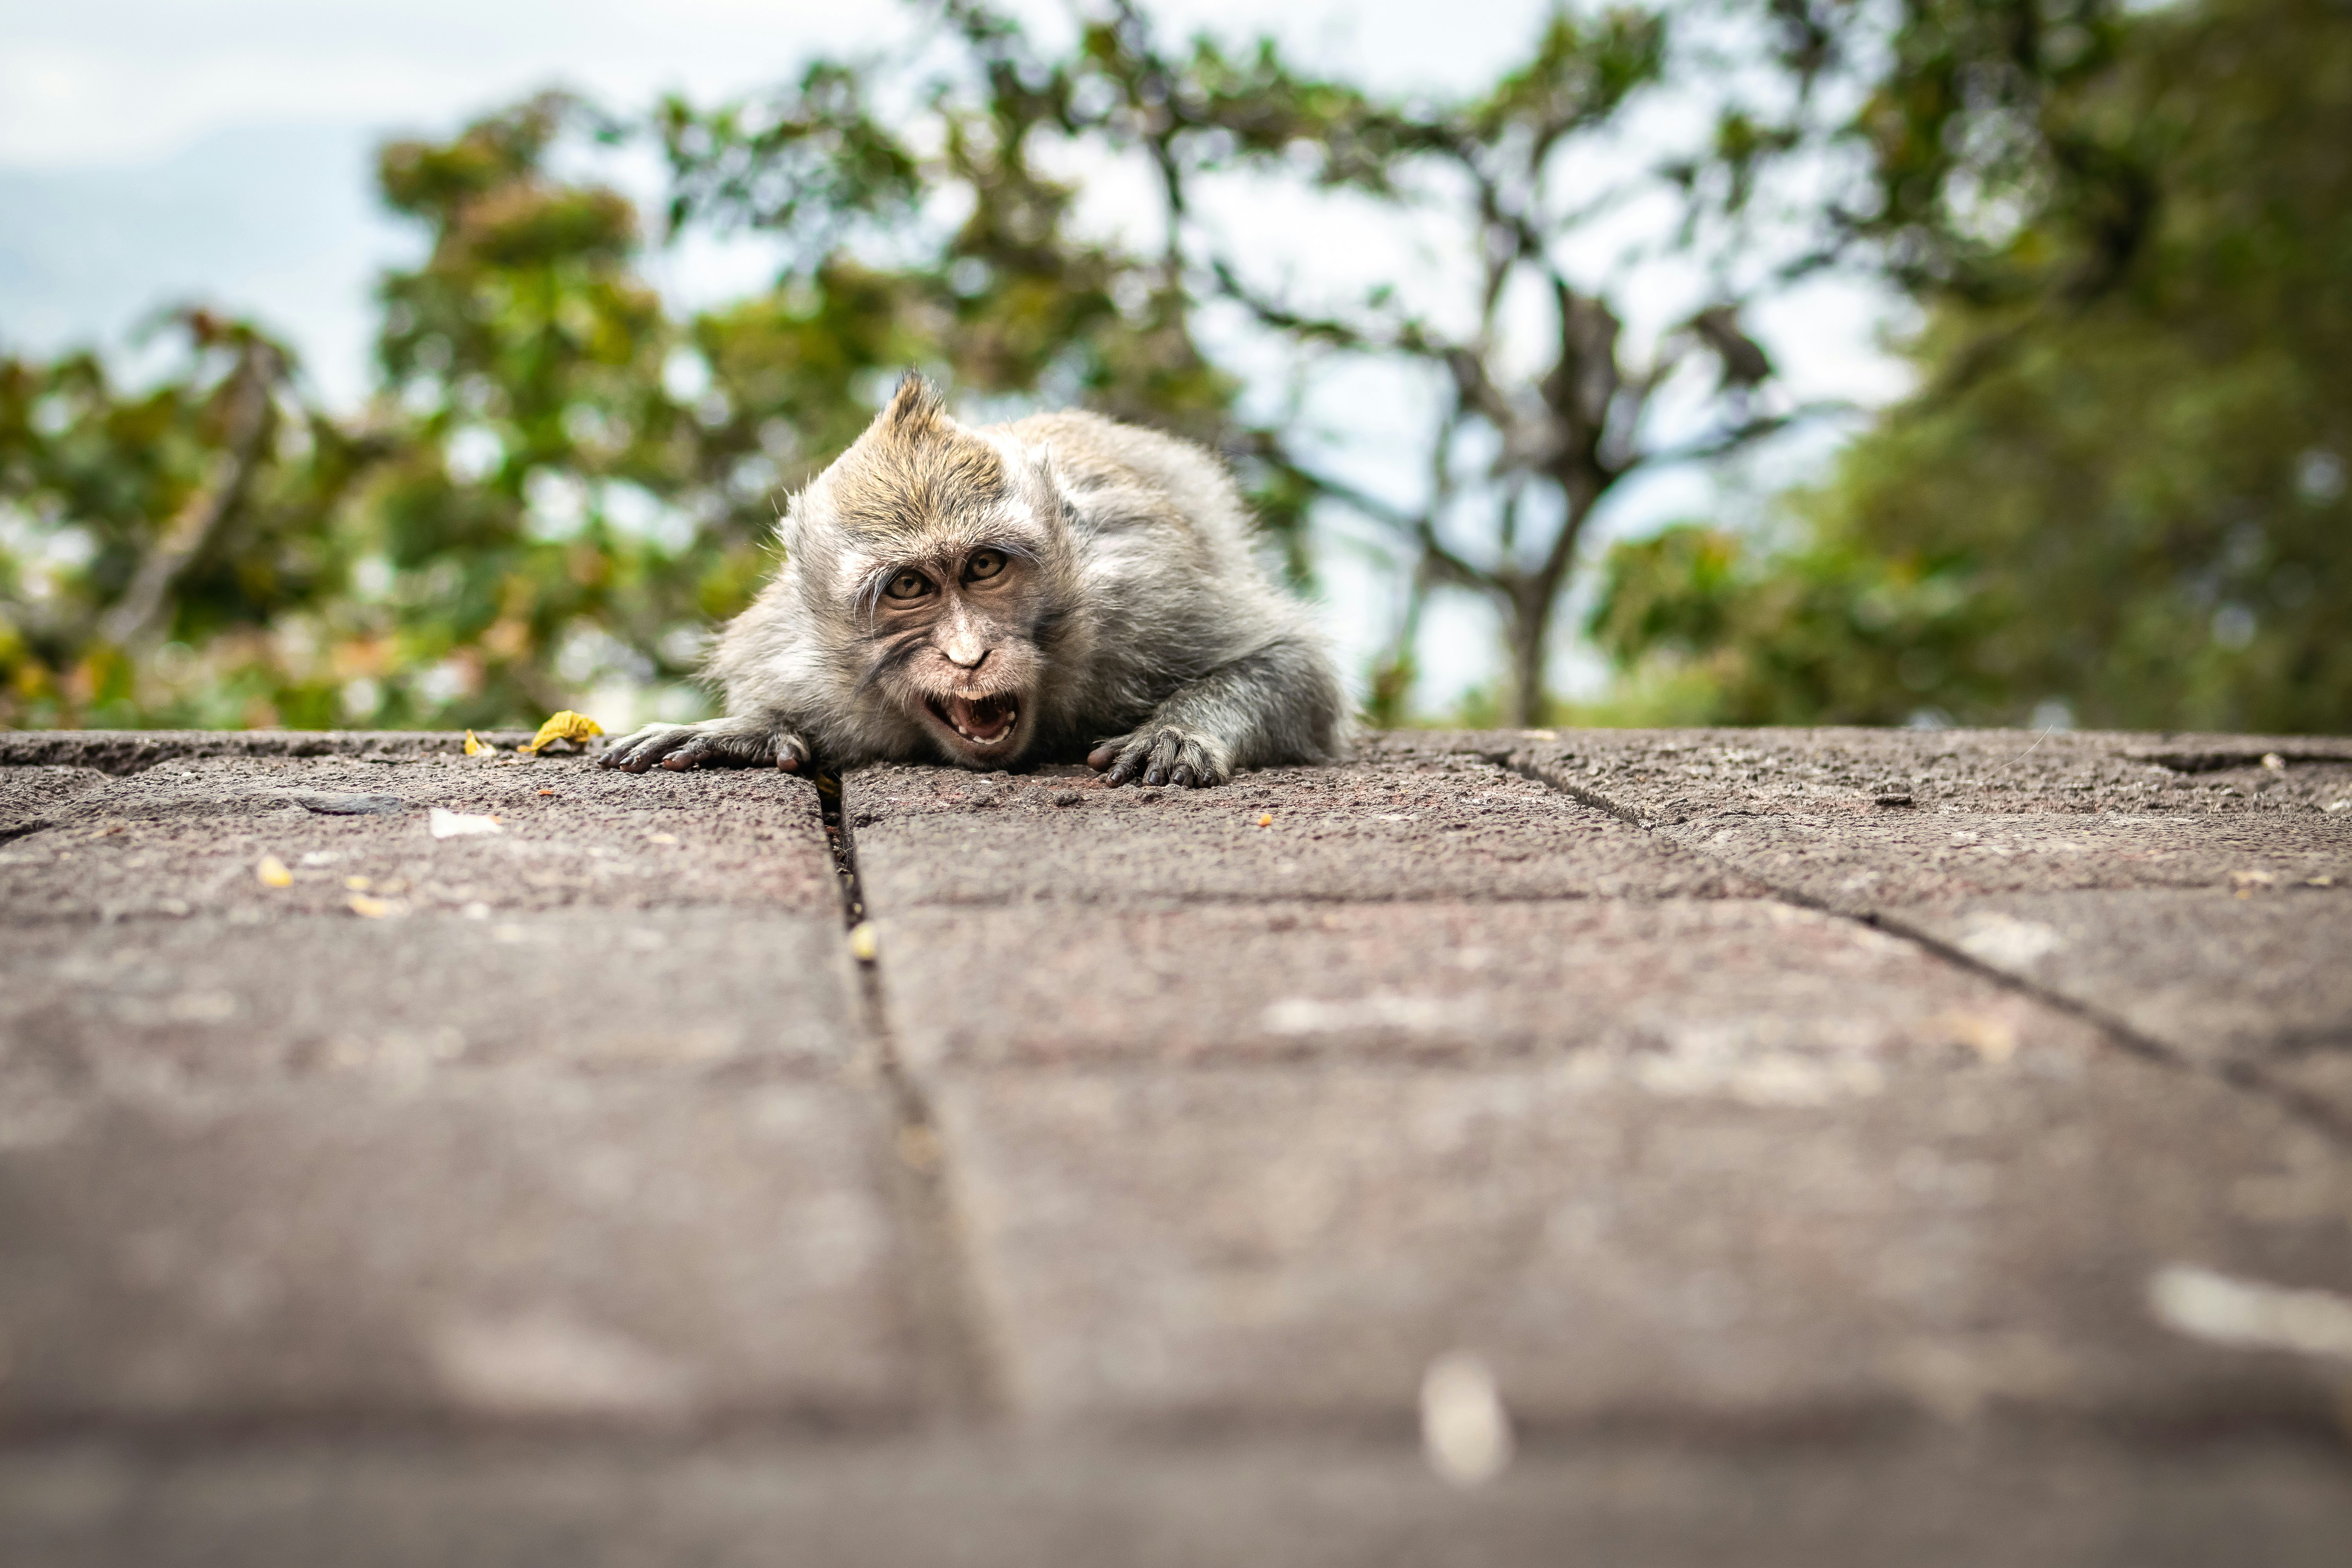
(983, 721)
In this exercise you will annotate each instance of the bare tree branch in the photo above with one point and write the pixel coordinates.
(144, 608)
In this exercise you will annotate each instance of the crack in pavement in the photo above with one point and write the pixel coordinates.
(960, 1369)
(2247, 1078)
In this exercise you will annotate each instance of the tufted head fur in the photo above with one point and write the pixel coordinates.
(939, 565)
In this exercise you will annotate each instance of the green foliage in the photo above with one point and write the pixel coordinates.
(2130, 497)
(2122, 485)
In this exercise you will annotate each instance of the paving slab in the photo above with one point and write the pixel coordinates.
(29, 793)
(1643, 1251)
(2257, 980)
(357, 1252)
(1760, 990)
(186, 837)
(151, 1004)
(1427, 829)
(1929, 1501)
(1674, 775)
(1892, 860)
(133, 751)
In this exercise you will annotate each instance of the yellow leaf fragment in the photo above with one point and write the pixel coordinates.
(1993, 1039)
(358, 884)
(374, 909)
(273, 873)
(863, 945)
(565, 726)
(476, 745)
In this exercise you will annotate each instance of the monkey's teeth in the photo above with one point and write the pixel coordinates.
(983, 721)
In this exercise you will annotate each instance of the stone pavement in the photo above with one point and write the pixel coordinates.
(1618, 1147)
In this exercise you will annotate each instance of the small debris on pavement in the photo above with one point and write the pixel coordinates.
(447, 824)
(377, 909)
(272, 872)
(1265, 819)
(576, 727)
(2274, 762)
(476, 745)
(1993, 1039)
(358, 884)
(345, 803)
(2248, 1313)
(863, 943)
(1465, 1431)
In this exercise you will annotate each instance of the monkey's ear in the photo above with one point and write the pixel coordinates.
(915, 408)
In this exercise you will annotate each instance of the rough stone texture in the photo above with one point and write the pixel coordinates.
(1824, 1181)
(2256, 979)
(2215, 975)
(1783, 1000)
(354, 1251)
(1637, 1250)
(133, 751)
(2036, 1500)
(27, 794)
(202, 1000)
(1889, 861)
(1439, 828)
(1671, 775)
(186, 837)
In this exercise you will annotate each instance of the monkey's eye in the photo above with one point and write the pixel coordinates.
(908, 586)
(983, 563)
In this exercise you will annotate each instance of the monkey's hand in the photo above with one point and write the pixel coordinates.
(749, 743)
(1159, 753)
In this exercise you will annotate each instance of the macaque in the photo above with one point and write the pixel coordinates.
(1057, 587)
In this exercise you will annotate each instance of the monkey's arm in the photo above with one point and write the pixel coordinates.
(1281, 703)
(751, 741)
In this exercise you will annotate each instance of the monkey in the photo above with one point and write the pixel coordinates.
(1060, 586)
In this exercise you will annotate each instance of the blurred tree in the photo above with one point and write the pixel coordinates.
(150, 539)
(1544, 407)
(2123, 486)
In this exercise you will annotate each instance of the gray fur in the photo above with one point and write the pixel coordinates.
(1096, 579)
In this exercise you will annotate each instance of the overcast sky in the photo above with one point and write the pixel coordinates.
(159, 150)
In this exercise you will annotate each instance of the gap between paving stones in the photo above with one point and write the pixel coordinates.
(963, 1370)
(2246, 1078)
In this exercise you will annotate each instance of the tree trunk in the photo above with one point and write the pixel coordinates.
(145, 610)
(1527, 628)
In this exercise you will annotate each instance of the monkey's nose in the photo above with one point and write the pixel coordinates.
(966, 655)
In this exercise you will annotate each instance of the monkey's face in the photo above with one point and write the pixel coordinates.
(958, 652)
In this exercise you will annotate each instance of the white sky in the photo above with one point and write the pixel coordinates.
(155, 150)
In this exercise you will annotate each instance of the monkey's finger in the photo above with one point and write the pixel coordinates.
(690, 755)
(1130, 762)
(617, 754)
(1102, 756)
(654, 747)
(1183, 777)
(1163, 756)
(1193, 763)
